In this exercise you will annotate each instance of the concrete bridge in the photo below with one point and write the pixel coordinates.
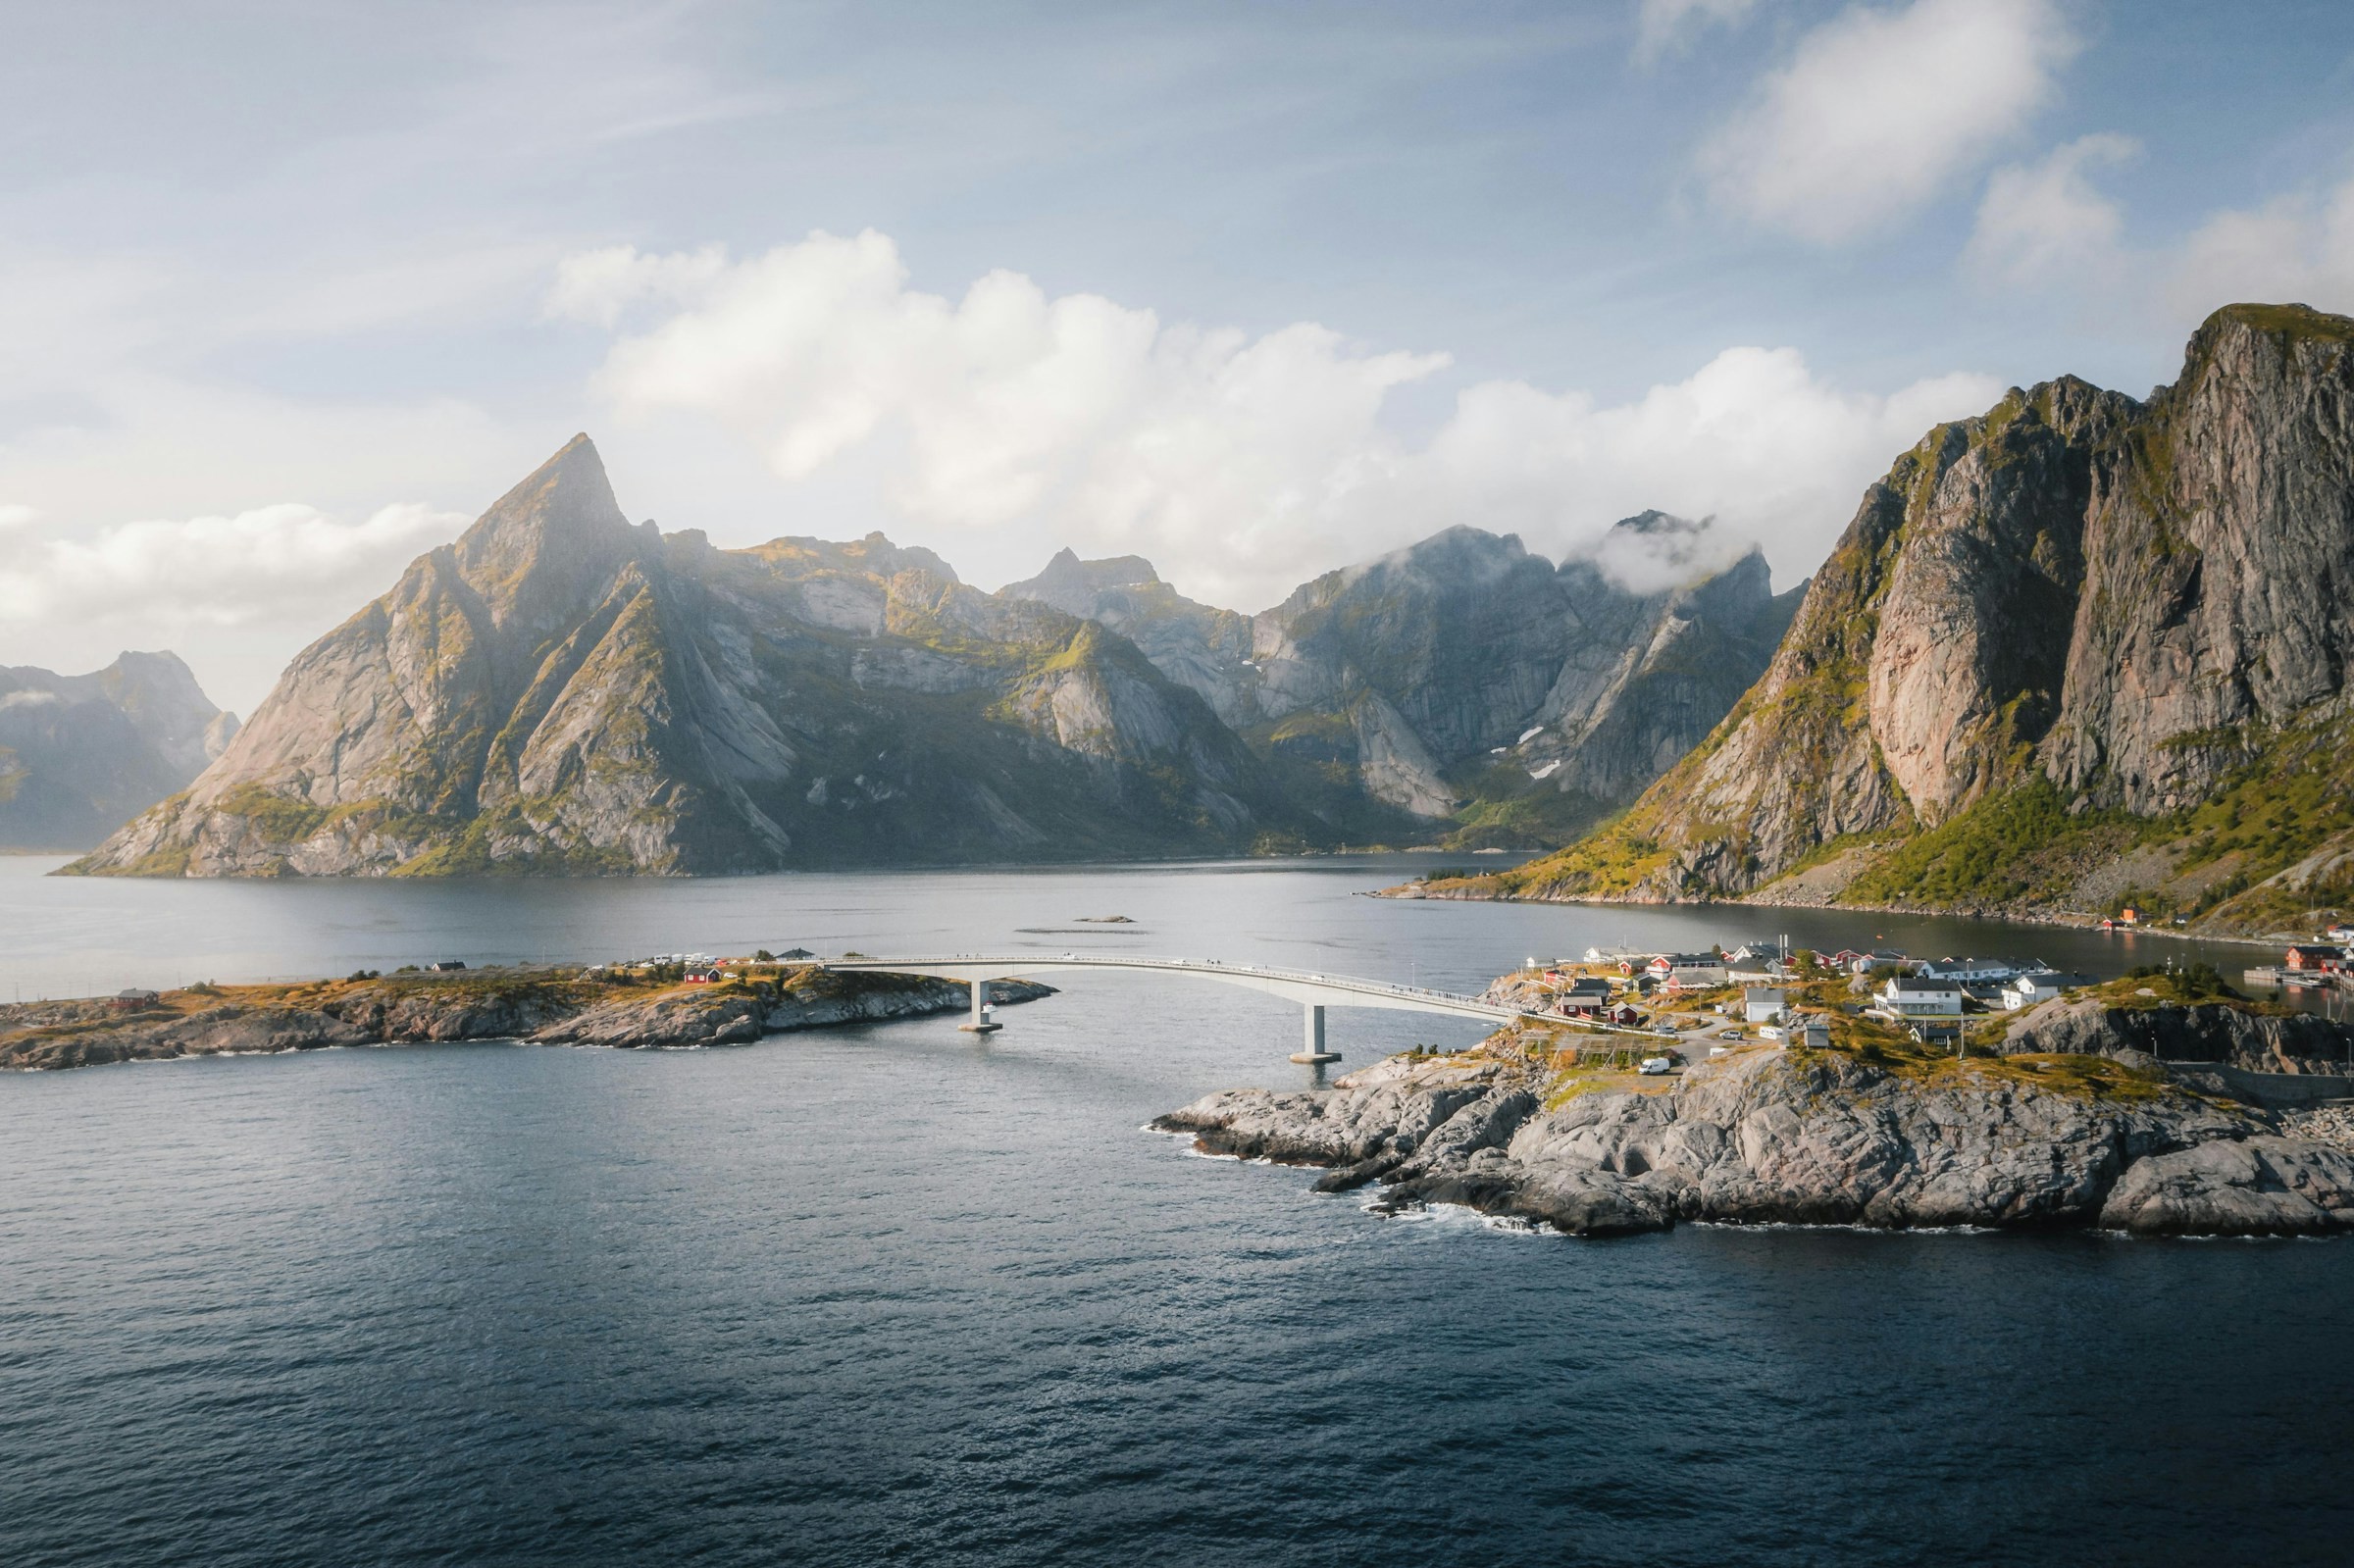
(1314, 992)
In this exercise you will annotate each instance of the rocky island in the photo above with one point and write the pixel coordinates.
(610, 1007)
(2063, 1117)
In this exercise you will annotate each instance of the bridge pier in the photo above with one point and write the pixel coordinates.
(1313, 1051)
(982, 1023)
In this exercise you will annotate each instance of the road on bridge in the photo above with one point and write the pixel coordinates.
(1315, 991)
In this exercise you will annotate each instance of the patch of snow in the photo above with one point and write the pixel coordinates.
(1525, 733)
(1547, 771)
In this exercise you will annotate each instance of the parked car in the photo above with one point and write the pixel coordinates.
(1653, 1066)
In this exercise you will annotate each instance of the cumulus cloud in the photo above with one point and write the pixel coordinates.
(2298, 246)
(142, 583)
(598, 285)
(2040, 220)
(1242, 464)
(1878, 110)
(1663, 25)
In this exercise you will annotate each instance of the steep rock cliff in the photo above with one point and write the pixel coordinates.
(2060, 638)
(1460, 678)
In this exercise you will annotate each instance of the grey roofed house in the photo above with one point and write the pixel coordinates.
(796, 952)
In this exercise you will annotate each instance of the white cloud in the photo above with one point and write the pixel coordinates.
(15, 516)
(243, 589)
(2043, 222)
(215, 571)
(1242, 464)
(2296, 247)
(1878, 110)
(598, 285)
(1754, 439)
(1662, 24)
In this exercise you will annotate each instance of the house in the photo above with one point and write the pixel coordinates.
(1624, 1015)
(797, 953)
(2306, 956)
(1815, 1034)
(1687, 969)
(1585, 998)
(1977, 971)
(1936, 1030)
(2037, 985)
(1908, 997)
(1763, 1004)
(1865, 963)
(1755, 953)
(2341, 935)
(444, 966)
(1844, 958)
(131, 999)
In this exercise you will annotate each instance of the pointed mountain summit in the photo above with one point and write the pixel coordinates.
(561, 692)
(550, 543)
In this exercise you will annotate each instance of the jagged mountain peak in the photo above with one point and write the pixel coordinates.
(551, 542)
(1077, 587)
(794, 556)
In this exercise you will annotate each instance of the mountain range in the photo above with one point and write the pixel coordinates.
(563, 691)
(2078, 653)
(79, 753)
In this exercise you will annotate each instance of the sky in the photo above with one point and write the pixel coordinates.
(289, 292)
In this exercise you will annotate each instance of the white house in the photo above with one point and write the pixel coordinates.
(1865, 963)
(1815, 1034)
(1972, 971)
(1910, 997)
(2037, 985)
(1763, 1004)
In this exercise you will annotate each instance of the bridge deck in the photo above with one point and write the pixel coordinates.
(1304, 986)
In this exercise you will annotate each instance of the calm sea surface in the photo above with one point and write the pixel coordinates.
(891, 1294)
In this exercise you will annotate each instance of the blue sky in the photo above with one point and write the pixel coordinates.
(288, 292)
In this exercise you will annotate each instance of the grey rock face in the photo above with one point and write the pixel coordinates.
(1768, 1135)
(1457, 666)
(2126, 598)
(2258, 1186)
(80, 754)
(2253, 1042)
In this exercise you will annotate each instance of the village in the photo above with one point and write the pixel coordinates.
(1769, 991)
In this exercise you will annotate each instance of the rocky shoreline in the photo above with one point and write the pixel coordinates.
(547, 1006)
(2074, 1125)
(1475, 890)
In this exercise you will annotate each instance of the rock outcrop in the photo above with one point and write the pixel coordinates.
(80, 754)
(561, 692)
(2238, 1037)
(2047, 628)
(542, 1006)
(1773, 1136)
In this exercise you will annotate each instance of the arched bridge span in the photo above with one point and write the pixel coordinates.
(1315, 991)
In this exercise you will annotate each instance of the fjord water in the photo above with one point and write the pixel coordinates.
(895, 1294)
